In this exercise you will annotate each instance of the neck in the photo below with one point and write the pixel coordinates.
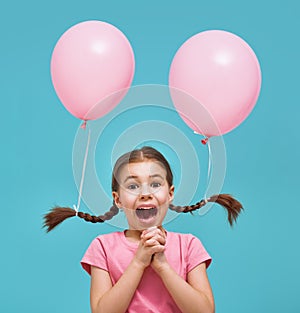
(133, 235)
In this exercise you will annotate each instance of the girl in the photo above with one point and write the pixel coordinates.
(145, 268)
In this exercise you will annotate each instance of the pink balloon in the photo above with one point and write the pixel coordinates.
(91, 61)
(221, 74)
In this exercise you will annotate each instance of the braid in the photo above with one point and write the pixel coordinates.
(232, 206)
(58, 214)
(114, 210)
(188, 208)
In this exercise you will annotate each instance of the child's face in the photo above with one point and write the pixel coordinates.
(144, 194)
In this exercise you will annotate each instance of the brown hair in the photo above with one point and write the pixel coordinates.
(59, 214)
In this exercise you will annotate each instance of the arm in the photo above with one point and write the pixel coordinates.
(106, 297)
(193, 296)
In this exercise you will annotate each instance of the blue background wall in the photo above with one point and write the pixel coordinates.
(256, 264)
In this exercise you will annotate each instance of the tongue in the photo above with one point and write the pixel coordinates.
(145, 214)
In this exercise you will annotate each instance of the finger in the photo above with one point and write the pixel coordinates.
(158, 237)
(156, 240)
(149, 230)
(147, 238)
(153, 232)
(161, 240)
(151, 242)
(157, 249)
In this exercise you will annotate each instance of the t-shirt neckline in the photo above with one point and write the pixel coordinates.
(133, 244)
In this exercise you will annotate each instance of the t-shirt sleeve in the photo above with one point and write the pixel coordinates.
(95, 255)
(197, 254)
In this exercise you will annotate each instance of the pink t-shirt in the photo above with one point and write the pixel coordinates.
(113, 253)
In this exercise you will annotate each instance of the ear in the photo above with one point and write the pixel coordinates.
(171, 193)
(116, 199)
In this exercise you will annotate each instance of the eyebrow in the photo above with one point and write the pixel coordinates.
(135, 177)
(130, 177)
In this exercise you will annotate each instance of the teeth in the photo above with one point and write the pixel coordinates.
(141, 208)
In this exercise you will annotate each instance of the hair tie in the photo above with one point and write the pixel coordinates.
(75, 209)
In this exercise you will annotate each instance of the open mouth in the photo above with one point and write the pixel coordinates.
(146, 213)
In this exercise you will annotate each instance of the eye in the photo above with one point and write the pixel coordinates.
(133, 186)
(155, 184)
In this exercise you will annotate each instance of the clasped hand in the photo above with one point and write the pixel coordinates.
(151, 248)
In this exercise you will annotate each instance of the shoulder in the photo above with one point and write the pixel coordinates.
(105, 240)
(182, 237)
(192, 247)
(98, 251)
(109, 236)
(185, 241)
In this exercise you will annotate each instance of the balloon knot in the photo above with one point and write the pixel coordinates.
(83, 125)
(204, 141)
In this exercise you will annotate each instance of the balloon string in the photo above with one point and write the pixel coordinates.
(83, 125)
(83, 169)
(209, 167)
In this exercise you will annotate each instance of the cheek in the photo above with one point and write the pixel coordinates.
(164, 196)
(127, 197)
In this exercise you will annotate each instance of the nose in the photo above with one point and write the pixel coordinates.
(145, 193)
(146, 196)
